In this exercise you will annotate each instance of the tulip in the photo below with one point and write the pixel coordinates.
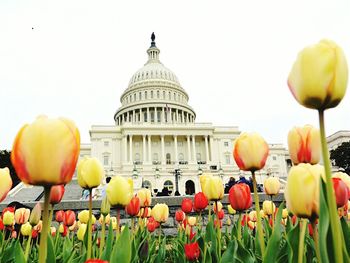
(304, 145)
(151, 226)
(22, 215)
(252, 215)
(240, 197)
(56, 194)
(14, 234)
(83, 216)
(192, 220)
(8, 218)
(81, 232)
(105, 206)
(39, 226)
(133, 208)
(230, 210)
(69, 218)
(217, 206)
(284, 213)
(221, 214)
(63, 230)
(186, 205)
(107, 219)
(1, 224)
(302, 190)
(192, 251)
(203, 180)
(145, 197)
(90, 172)
(96, 261)
(35, 234)
(200, 202)
(59, 216)
(6, 182)
(46, 151)
(119, 191)
(228, 221)
(35, 216)
(53, 231)
(342, 192)
(213, 188)
(26, 229)
(73, 227)
(272, 186)
(160, 213)
(318, 78)
(262, 214)
(345, 177)
(250, 152)
(269, 207)
(179, 216)
(251, 224)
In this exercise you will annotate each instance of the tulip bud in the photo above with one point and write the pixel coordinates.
(81, 232)
(262, 214)
(35, 215)
(192, 251)
(272, 186)
(22, 215)
(213, 187)
(221, 214)
(251, 225)
(6, 182)
(105, 206)
(59, 216)
(56, 194)
(230, 210)
(46, 151)
(26, 229)
(179, 216)
(83, 216)
(53, 231)
(345, 177)
(119, 191)
(186, 205)
(192, 220)
(200, 202)
(90, 172)
(228, 221)
(145, 197)
(34, 233)
(69, 218)
(269, 207)
(304, 145)
(8, 218)
(73, 227)
(133, 208)
(13, 234)
(203, 179)
(160, 212)
(252, 216)
(250, 152)
(341, 191)
(318, 78)
(240, 197)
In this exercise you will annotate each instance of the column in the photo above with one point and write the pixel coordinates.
(127, 116)
(175, 144)
(194, 148)
(141, 116)
(188, 149)
(163, 116)
(155, 115)
(177, 115)
(144, 159)
(125, 148)
(163, 149)
(206, 149)
(133, 116)
(148, 116)
(130, 151)
(183, 116)
(149, 149)
(211, 147)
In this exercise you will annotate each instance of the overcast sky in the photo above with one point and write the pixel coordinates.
(75, 58)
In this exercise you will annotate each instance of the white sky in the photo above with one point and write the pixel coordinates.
(232, 57)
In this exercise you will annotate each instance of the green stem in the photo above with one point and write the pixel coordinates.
(44, 232)
(118, 223)
(239, 227)
(272, 213)
(133, 226)
(89, 226)
(27, 248)
(332, 208)
(102, 242)
(160, 233)
(301, 240)
(50, 215)
(209, 213)
(218, 229)
(315, 237)
(257, 208)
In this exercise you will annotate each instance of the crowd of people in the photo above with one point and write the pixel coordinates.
(232, 181)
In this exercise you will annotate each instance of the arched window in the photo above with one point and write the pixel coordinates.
(190, 188)
(168, 158)
(169, 184)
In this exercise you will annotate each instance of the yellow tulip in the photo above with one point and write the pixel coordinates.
(344, 177)
(304, 145)
(250, 152)
(213, 188)
(145, 197)
(219, 206)
(252, 215)
(192, 220)
(22, 216)
(61, 228)
(90, 172)
(262, 214)
(6, 182)
(267, 207)
(35, 216)
(302, 190)
(284, 213)
(160, 212)
(8, 218)
(272, 186)
(26, 229)
(46, 151)
(203, 180)
(105, 206)
(83, 216)
(107, 219)
(39, 226)
(119, 191)
(228, 221)
(230, 210)
(81, 232)
(319, 76)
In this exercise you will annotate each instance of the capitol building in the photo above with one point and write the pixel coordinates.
(156, 140)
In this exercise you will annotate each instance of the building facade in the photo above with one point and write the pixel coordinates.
(156, 140)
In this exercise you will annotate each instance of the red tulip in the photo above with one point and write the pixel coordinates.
(151, 224)
(341, 192)
(34, 233)
(311, 231)
(218, 223)
(69, 218)
(179, 216)
(14, 234)
(56, 194)
(221, 214)
(200, 202)
(10, 208)
(59, 216)
(186, 205)
(245, 220)
(133, 208)
(192, 251)
(1, 224)
(240, 198)
(96, 261)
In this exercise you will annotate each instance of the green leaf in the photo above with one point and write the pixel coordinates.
(323, 224)
(293, 243)
(109, 244)
(51, 256)
(346, 233)
(67, 249)
(18, 253)
(122, 248)
(244, 254)
(273, 244)
(230, 253)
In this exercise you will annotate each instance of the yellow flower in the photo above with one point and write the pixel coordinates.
(302, 190)
(252, 215)
(6, 182)
(267, 207)
(119, 191)
(83, 217)
(61, 228)
(145, 197)
(219, 206)
(319, 76)
(22, 215)
(107, 219)
(73, 227)
(262, 214)
(8, 218)
(284, 213)
(304, 145)
(105, 206)
(250, 151)
(35, 216)
(230, 210)
(90, 172)
(192, 220)
(81, 232)
(39, 226)
(160, 212)
(272, 186)
(203, 180)
(46, 151)
(26, 229)
(213, 188)
(228, 221)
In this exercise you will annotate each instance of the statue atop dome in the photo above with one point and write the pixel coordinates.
(153, 37)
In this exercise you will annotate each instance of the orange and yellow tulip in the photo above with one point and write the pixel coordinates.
(6, 182)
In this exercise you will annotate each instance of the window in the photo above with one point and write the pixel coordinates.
(274, 158)
(140, 95)
(152, 116)
(158, 94)
(163, 94)
(106, 143)
(169, 184)
(134, 96)
(227, 159)
(105, 160)
(145, 116)
(168, 158)
(199, 157)
(158, 116)
(226, 144)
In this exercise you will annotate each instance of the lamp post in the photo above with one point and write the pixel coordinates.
(221, 172)
(177, 174)
(135, 173)
(157, 173)
(200, 171)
